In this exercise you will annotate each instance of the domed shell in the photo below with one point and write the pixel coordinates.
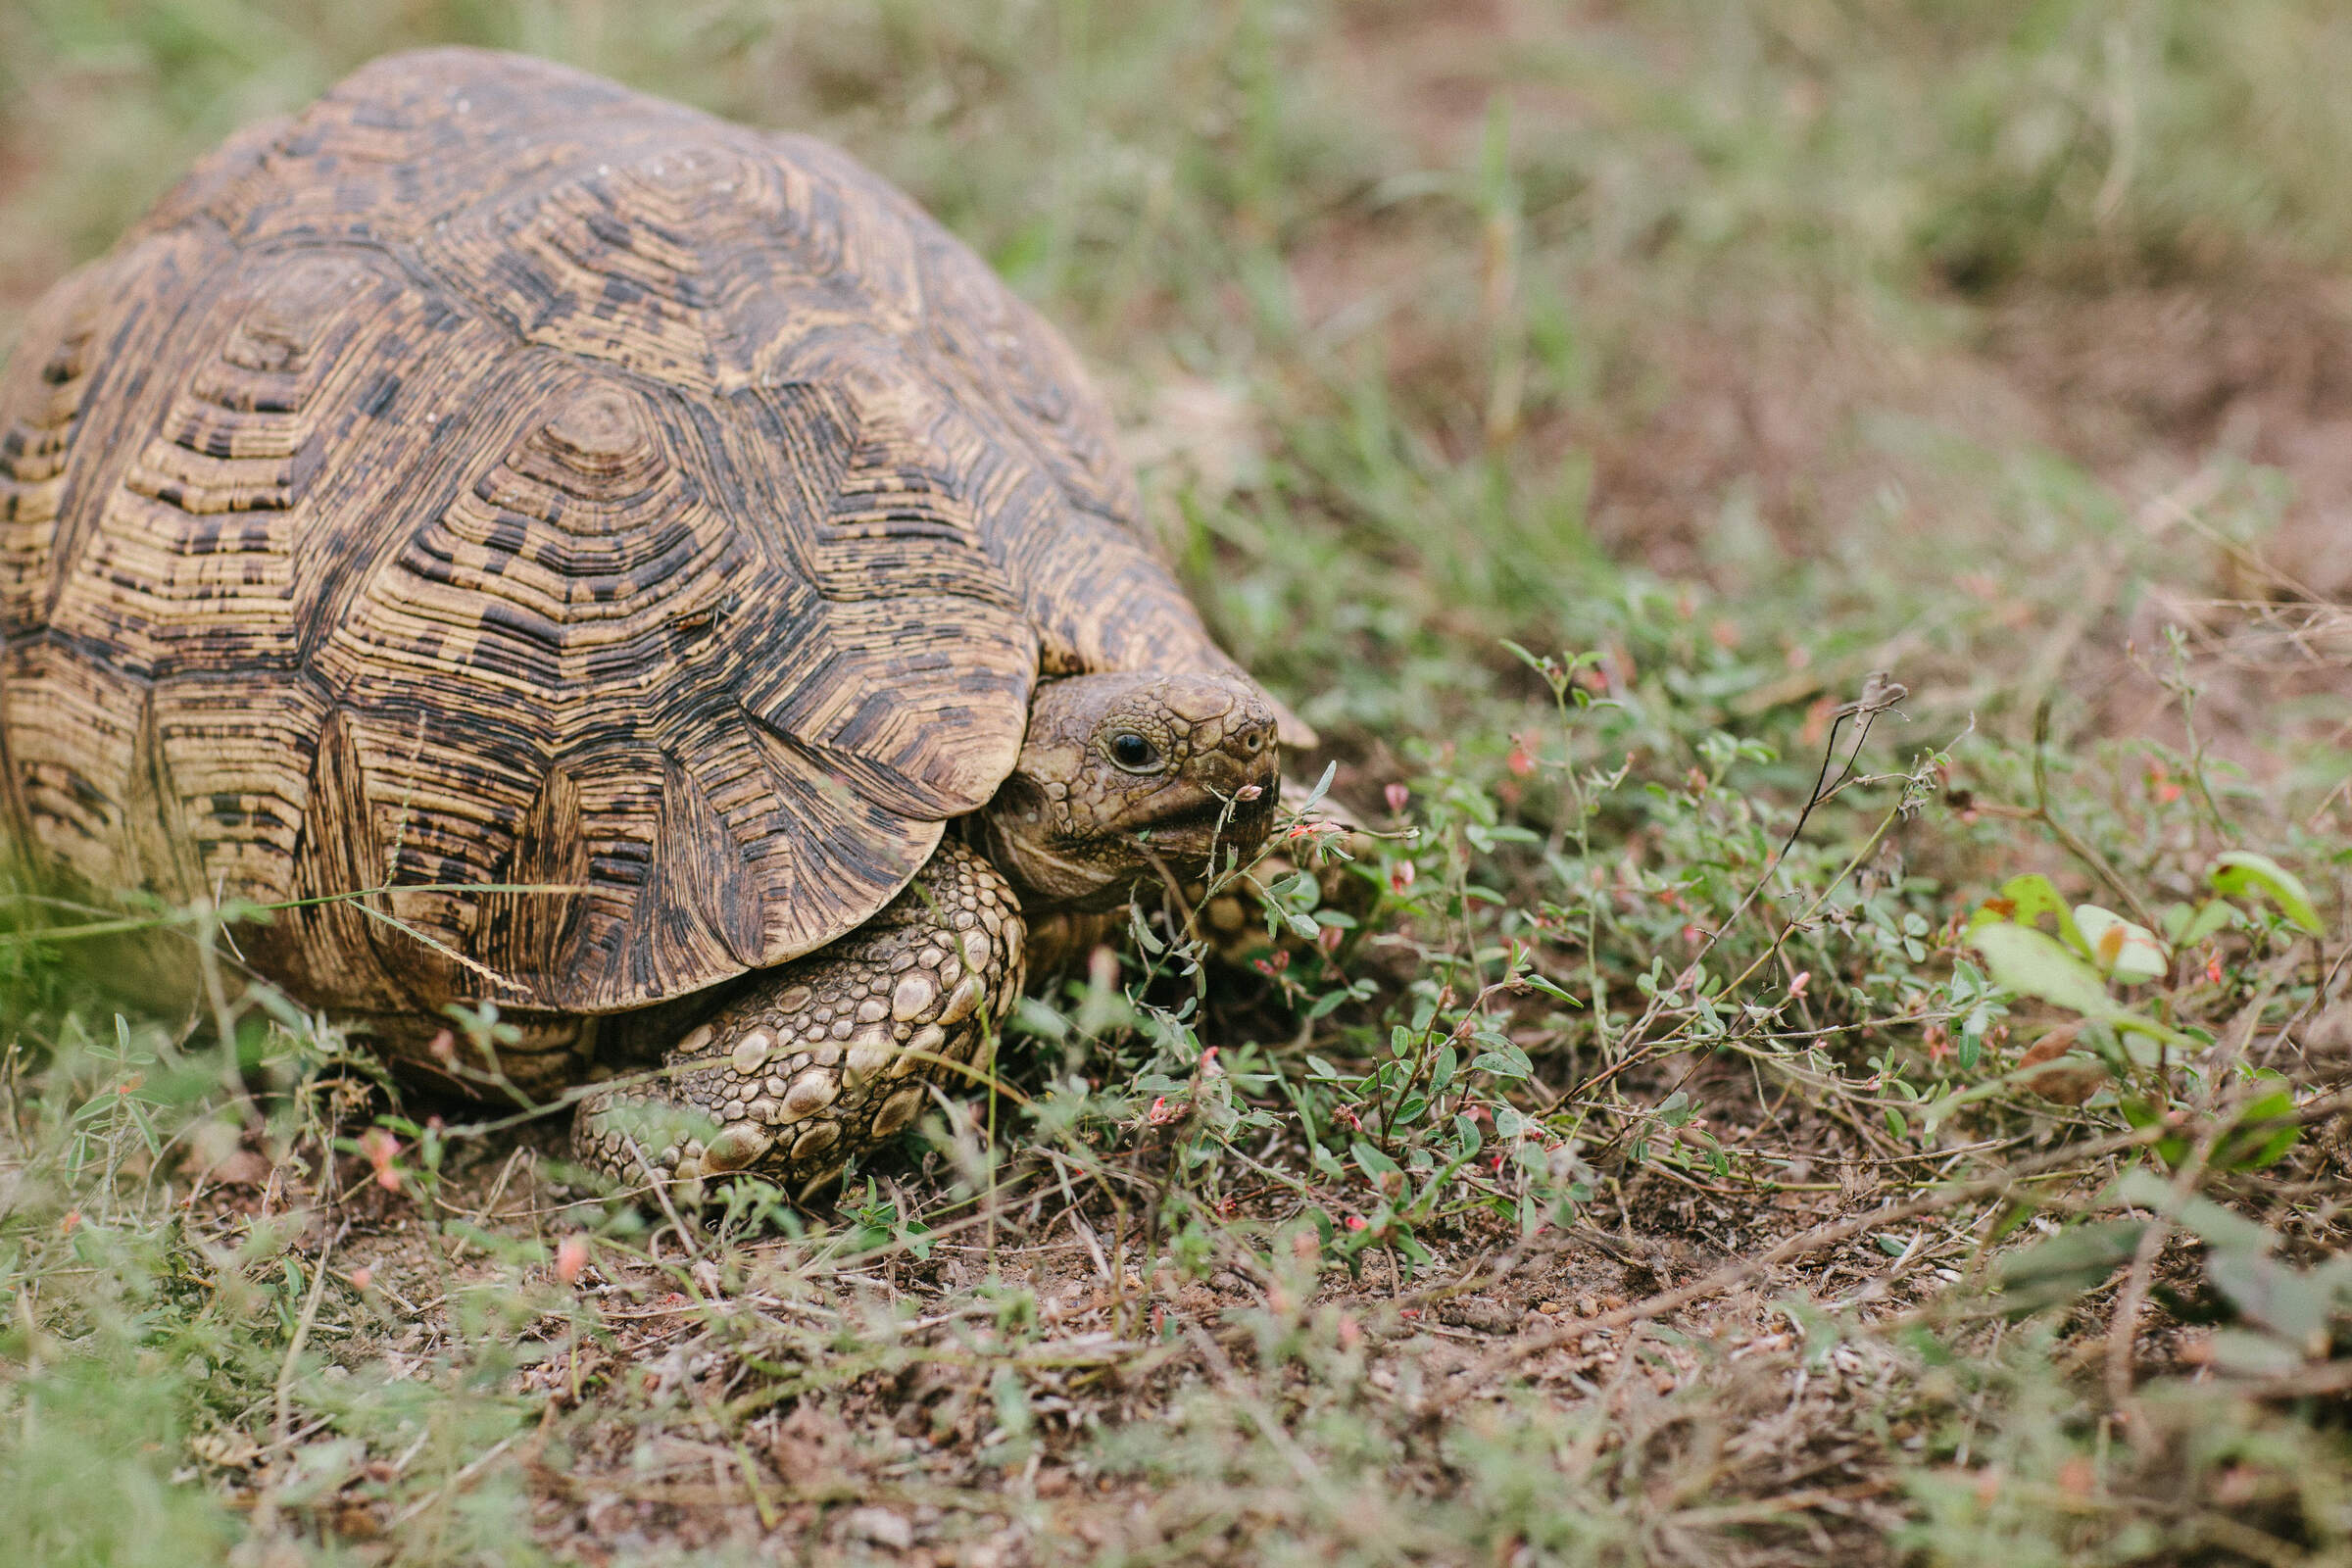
(492, 477)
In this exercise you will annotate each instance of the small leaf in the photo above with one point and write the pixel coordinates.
(1314, 797)
(1543, 666)
(1536, 982)
(2236, 871)
(2248, 1355)
(1404, 1242)
(2129, 952)
(1506, 1061)
(2250, 1147)
(2291, 1303)
(2222, 1230)
(2267, 1151)
(2029, 961)
(1371, 1161)
(2023, 901)
(2211, 918)
(2035, 964)
(2067, 1265)
(1294, 888)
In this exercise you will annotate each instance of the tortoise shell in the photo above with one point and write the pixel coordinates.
(491, 475)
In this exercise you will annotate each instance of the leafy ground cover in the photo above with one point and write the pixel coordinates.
(1816, 534)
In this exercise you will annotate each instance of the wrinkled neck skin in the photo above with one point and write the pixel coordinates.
(1120, 770)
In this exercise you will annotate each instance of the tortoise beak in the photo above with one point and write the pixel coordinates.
(1232, 783)
(1247, 754)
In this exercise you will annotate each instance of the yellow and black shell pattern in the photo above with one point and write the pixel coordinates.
(491, 475)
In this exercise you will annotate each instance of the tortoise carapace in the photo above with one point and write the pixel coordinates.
(493, 478)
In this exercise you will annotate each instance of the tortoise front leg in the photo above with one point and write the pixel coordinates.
(828, 1055)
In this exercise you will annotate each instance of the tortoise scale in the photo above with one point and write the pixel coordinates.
(491, 477)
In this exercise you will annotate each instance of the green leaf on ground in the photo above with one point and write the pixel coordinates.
(2237, 872)
(2129, 952)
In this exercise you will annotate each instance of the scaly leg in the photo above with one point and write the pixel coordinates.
(828, 1055)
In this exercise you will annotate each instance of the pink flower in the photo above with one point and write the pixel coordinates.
(571, 1257)
(1397, 795)
(381, 1149)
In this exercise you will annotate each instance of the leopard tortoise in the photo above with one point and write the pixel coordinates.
(490, 477)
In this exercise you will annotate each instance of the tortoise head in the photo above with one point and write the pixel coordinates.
(1119, 771)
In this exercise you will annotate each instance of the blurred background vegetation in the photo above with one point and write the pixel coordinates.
(1506, 296)
(1741, 346)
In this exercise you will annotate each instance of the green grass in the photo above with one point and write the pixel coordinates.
(1566, 414)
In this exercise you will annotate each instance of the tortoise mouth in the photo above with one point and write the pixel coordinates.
(1189, 830)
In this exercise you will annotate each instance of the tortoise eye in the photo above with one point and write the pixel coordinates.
(1133, 752)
